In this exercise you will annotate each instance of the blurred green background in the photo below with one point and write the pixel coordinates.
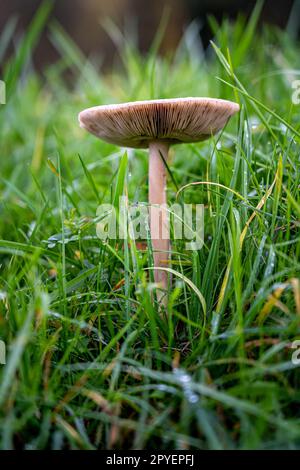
(83, 21)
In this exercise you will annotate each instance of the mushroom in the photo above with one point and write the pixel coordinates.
(156, 125)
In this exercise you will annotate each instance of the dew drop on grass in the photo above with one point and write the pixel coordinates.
(184, 378)
(185, 381)
(3, 295)
(192, 397)
(162, 388)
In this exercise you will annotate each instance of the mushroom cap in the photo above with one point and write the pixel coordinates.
(173, 121)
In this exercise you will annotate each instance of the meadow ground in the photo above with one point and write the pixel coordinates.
(91, 363)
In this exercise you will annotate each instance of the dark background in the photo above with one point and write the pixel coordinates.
(83, 19)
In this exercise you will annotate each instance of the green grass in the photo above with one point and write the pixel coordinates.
(91, 363)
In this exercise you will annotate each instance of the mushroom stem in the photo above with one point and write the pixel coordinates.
(159, 216)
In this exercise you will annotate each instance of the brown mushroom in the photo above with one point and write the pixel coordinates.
(156, 125)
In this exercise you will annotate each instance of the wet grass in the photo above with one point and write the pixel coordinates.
(91, 363)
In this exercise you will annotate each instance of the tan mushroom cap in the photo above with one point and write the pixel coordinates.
(173, 121)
